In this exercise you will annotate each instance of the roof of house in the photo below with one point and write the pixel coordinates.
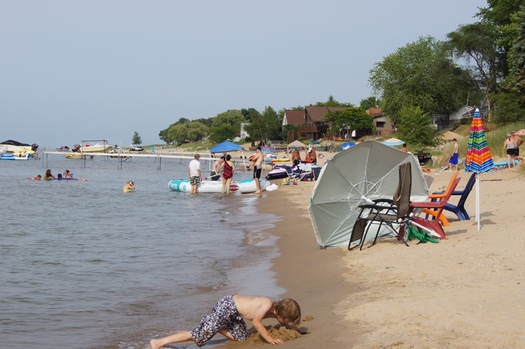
(374, 111)
(316, 114)
(294, 117)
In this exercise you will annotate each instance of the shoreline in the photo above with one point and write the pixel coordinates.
(465, 291)
(311, 275)
(314, 277)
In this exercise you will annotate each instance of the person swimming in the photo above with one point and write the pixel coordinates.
(129, 186)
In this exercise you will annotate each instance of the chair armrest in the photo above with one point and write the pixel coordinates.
(427, 204)
(388, 201)
(380, 207)
(437, 195)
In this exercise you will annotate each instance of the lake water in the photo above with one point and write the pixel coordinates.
(84, 265)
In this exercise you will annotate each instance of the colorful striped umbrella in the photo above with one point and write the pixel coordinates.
(478, 157)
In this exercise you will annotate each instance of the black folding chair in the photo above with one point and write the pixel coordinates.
(393, 213)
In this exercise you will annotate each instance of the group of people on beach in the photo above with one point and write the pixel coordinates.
(511, 147)
(310, 157)
(224, 167)
(49, 175)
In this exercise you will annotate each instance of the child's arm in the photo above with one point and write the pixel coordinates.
(257, 323)
(256, 309)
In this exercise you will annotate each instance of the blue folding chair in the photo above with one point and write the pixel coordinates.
(459, 208)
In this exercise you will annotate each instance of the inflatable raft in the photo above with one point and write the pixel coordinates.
(183, 185)
(11, 156)
(248, 185)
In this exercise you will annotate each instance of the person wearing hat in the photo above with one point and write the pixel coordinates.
(510, 146)
(311, 155)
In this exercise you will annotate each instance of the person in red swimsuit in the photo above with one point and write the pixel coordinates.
(227, 174)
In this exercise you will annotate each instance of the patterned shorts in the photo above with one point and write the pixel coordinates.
(223, 316)
(195, 180)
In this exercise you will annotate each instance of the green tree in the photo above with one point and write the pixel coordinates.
(226, 125)
(345, 121)
(250, 114)
(415, 128)
(331, 102)
(476, 43)
(265, 126)
(191, 131)
(422, 74)
(223, 132)
(164, 134)
(196, 131)
(511, 99)
(367, 103)
(136, 138)
(289, 133)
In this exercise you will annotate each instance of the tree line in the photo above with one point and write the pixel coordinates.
(261, 126)
(481, 62)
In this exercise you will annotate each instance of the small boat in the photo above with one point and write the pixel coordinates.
(183, 185)
(249, 186)
(91, 148)
(12, 156)
(18, 150)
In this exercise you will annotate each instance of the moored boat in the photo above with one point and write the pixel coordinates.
(183, 185)
(21, 151)
(91, 148)
(12, 156)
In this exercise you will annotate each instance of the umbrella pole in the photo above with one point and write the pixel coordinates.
(477, 201)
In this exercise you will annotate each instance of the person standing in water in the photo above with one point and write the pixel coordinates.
(256, 163)
(227, 174)
(194, 172)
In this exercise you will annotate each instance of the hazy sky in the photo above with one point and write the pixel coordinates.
(72, 70)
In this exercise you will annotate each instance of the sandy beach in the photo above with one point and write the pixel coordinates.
(467, 291)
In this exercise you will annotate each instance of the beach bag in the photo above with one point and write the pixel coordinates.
(423, 237)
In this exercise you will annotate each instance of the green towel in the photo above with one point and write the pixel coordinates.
(414, 233)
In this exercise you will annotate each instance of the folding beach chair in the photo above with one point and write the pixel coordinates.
(438, 196)
(437, 208)
(459, 208)
(392, 213)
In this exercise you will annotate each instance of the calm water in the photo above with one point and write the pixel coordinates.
(84, 265)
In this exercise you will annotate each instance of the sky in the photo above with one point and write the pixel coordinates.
(104, 69)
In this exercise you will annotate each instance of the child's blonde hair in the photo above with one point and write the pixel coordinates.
(289, 311)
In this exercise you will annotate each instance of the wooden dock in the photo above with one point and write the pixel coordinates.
(123, 156)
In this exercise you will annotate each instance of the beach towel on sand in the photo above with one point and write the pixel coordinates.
(414, 233)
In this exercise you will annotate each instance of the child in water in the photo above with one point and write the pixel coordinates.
(129, 186)
(227, 318)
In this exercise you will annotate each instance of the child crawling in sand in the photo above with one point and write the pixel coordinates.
(227, 318)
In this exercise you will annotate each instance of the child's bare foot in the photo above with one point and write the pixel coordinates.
(153, 344)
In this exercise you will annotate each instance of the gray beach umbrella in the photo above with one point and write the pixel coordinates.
(353, 177)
